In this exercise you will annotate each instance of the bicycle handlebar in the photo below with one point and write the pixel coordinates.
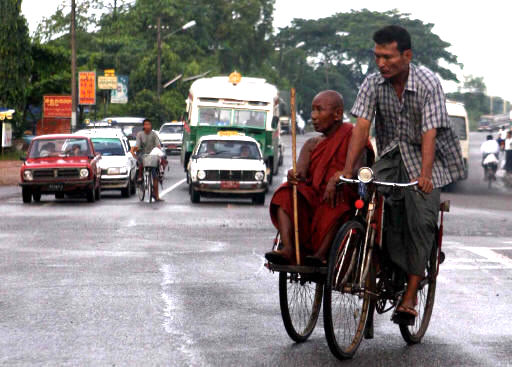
(380, 183)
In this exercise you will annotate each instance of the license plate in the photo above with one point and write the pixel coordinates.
(229, 184)
(171, 146)
(56, 187)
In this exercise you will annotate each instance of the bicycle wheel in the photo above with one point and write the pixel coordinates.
(345, 304)
(300, 300)
(141, 188)
(149, 184)
(426, 296)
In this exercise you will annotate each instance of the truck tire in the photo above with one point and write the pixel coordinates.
(37, 196)
(259, 199)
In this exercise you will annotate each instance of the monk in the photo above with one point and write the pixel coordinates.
(322, 208)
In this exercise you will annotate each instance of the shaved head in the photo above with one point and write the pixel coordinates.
(333, 98)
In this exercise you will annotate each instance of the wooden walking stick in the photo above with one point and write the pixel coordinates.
(294, 160)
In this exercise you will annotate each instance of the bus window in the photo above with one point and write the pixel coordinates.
(250, 118)
(214, 116)
(459, 126)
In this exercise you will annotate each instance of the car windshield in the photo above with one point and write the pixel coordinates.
(108, 146)
(459, 126)
(228, 149)
(215, 116)
(64, 147)
(171, 129)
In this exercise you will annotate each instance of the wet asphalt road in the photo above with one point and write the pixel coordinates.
(120, 282)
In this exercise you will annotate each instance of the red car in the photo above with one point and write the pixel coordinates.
(61, 164)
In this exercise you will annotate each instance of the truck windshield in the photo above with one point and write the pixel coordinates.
(108, 146)
(459, 126)
(59, 148)
(228, 149)
(215, 116)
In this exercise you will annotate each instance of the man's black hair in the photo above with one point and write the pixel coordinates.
(393, 33)
(148, 120)
(489, 137)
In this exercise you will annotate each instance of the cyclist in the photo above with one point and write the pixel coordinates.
(146, 141)
(415, 141)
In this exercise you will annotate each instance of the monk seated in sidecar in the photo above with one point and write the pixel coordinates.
(321, 206)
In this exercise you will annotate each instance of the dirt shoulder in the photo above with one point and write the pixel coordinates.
(10, 172)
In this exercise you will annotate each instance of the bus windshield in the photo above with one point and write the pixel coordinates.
(216, 116)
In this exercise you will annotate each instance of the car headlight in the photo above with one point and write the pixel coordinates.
(201, 174)
(113, 171)
(123, 170)
(259, 176)
(365, 175)
(84, 173)
(27, 175)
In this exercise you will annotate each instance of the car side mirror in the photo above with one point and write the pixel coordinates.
(275, 121)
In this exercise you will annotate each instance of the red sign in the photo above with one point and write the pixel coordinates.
(87, 87)
(57, 106)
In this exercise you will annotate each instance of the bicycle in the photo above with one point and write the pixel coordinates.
(151, 169)
(359, 278)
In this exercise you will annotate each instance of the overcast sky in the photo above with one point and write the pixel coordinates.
(479, 34)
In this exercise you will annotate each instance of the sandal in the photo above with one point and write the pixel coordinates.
(404, 315)
(277, 258)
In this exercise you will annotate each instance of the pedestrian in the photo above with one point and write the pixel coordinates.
(508, 152)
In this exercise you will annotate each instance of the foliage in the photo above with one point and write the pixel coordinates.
(16, 61)
(229, 35)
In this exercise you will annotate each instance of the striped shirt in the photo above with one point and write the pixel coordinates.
(401, 123)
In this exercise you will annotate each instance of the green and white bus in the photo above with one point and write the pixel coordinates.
(234, 103)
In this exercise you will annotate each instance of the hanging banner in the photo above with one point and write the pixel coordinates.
(87, 88)
(120, 94)
(6, 135)
(57, 106)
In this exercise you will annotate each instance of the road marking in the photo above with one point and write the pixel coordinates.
(489, 259)
(166, 191)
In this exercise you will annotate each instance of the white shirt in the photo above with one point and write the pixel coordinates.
(502, 134)
(490, 146)
(508, 144)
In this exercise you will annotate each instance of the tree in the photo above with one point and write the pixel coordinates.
(16, 61)
(340, 48)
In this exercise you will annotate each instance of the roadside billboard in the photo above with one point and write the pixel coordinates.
(120, 94)
(6, 134)
(87, 88)
(107, 82)
(56, 106)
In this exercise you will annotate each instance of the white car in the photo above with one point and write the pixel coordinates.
(227, 164)
(171, 135)
(118, 166)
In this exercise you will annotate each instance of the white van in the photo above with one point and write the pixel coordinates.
(459, 119)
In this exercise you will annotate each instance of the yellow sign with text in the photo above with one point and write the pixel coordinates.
(107, 82)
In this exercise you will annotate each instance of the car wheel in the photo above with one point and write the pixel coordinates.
(126, 192)
(59, 195)
(195, 196)
(36, 196)
(27, 195)
(91, 195)
(259, 199)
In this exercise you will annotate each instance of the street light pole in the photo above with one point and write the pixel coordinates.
(73, 66)
(159, 57)
(159, 49)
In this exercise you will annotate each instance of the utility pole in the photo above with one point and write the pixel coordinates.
(73, 66)
(158, 58)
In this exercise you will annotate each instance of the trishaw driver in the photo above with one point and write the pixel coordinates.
(415, 141)
(146, 141)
